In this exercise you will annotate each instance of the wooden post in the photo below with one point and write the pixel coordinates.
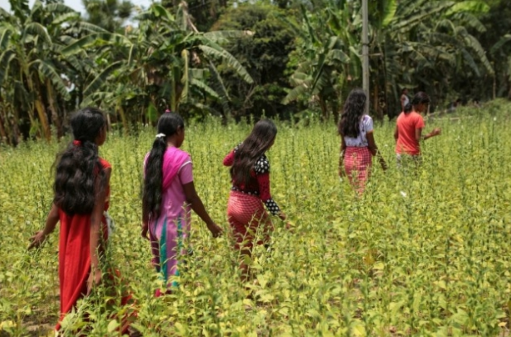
(365, 52)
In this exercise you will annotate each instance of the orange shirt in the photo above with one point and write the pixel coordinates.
(406, 126)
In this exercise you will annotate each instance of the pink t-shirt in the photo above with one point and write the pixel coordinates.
(406, 124)
(174, 198)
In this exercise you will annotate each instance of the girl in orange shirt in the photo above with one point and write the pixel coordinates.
(409, 125)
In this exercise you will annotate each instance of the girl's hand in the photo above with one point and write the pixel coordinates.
(37, 240)
(94, 280)
(436, 131)
(289, 227)
(215, 229)
(383, 164)
(282, 216)
(145, 229)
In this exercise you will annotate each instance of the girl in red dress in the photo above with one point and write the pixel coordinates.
(81, 198)
(250, 192)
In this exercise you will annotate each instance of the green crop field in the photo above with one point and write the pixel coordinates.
(422, 253)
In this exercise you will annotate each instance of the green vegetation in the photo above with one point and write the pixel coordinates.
(422, 254)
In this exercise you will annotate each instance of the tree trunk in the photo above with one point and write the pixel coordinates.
(108, 122)
(324, 109)
(122, 115)
(54, 112)
(335, 110)
(41, 111)
(376, 102)
(39, 107)
(3, 133)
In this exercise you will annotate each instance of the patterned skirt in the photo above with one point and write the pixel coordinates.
(248, 219)
(357, 163)
(168, 237)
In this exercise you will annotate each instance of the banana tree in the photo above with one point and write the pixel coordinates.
(419, 43)
(31, 63)
(328, 58)
(165, 62)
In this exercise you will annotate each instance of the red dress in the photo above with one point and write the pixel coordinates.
(74, 254)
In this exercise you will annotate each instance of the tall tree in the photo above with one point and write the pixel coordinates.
(165, 62)
(264, 51)
(31, 87)
(110, 15)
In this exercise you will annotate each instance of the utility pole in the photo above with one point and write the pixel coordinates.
(365, 53)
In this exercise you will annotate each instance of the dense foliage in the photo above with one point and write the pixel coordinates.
(287, 58)
(422, 253)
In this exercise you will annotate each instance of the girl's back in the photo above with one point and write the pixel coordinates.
(406, 124)
(169, 196)
(177, 171)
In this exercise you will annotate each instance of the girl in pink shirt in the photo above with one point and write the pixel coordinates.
(169, 195)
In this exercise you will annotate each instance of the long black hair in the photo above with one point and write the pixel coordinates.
(168, 125)
(253, 147)
(420, 97)
(78, 166)
(354, 107)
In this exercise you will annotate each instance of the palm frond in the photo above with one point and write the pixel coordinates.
(503, 40)
(92, 28)
(4, 39)
(219, 87)
(101, 78)
(204, 87)
(295, 94)
(38, 30)
(70, 16)
(48, 72)
(468, 6)
(470, 61)
(225, 35)
(231, 61)
(390, 12)
(5, 60)
(78, 45)
(60, 8)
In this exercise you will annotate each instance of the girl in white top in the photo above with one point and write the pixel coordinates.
(404, 99)
(357, 141)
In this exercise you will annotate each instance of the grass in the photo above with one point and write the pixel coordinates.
(420, 254)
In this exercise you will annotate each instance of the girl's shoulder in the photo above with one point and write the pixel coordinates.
(262, 165)
(366, 119)
(237, 147)
(105, 164)
(416, 115)
(176, 153)
(367, 123)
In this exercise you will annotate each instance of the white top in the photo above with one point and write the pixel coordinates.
(406, 100)
(366, 125)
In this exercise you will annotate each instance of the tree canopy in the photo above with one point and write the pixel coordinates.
(235, 59)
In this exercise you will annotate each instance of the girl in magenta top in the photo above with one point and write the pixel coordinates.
(250, 192)
(169, 195)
